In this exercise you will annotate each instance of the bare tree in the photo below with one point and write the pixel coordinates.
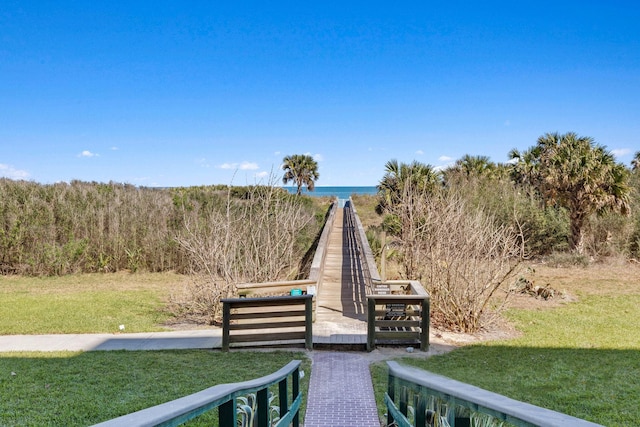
(249, 240)
(459, 253)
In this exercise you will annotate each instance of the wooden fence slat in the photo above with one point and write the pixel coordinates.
(397, 323)
(266, 315)
(266, 325)
(267, 337)
(397, 335)
(268, 320)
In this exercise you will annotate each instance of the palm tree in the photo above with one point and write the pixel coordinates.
(573, 172)
(301, 169)
(475, 165)
(400, 177)
(635, 163)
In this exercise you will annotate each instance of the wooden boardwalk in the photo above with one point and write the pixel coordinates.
(341, 317)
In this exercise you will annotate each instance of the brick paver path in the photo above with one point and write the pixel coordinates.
(340, 392)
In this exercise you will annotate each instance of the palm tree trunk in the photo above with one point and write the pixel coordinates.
(576, 239)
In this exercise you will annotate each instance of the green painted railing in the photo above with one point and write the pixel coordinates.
(419, 398)
(234, 407)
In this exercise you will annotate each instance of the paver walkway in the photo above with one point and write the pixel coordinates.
(340, 392)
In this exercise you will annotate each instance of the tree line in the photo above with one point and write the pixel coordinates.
(465, 230)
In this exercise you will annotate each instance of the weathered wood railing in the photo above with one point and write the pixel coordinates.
(367, 258)
(267, 321)
(398, 313)
(420, 398)
(224, 397)
(283, 288)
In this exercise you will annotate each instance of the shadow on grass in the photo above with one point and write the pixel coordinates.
(80, 389)
(599, 385)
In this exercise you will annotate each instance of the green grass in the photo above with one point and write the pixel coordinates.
(88, 303)
(99, 311)
(581, 359)
(80, 389)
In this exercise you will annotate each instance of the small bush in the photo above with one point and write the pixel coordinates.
(567, 259)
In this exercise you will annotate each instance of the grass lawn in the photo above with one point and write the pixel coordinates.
(581, 358)
(80, 389)
(86, 303)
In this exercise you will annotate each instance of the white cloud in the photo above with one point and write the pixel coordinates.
(87, 153)
(620, 152)
(419, 152)
(317, 157)
(9, 171)
(262, 174)
(245, 166)
(445, 158)
(114, 148)
(249, 166)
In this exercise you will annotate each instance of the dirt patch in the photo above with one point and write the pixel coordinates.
(613, 277)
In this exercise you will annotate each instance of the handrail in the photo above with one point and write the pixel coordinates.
(455, 397)
(317, 264)
(366, 254)
(223, 397)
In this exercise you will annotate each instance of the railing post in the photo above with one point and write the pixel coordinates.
(262, 415)
(424, 324)
(282, 396)
(371, 323)
(227, 413)
(420, 403)
(404, 401)
(226, 316)
(295, 390)
(308, 318)
(391, 391)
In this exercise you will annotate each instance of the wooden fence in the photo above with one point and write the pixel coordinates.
(267, 321)
(398, 313)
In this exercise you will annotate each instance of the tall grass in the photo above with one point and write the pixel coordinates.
(85, 227)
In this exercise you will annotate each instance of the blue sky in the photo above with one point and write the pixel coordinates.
(178, 93)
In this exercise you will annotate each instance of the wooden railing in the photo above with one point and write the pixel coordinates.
(267, 321)
(420, 398)
(367, 258)
(398, 313)
(282, 288)
(317, 264)
(224, 397)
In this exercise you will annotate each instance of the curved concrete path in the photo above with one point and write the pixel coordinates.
(200, 338)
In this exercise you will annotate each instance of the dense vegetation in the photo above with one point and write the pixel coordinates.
(96, 227)
(464, 231)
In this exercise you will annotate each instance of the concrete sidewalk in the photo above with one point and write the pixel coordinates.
(189, 339)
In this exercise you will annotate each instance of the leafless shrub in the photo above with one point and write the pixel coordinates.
(233, 241)
(459, 253)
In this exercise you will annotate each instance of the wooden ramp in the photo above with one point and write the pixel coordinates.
(341, 318)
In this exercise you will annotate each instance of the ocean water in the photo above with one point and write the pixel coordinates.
(339, 192)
